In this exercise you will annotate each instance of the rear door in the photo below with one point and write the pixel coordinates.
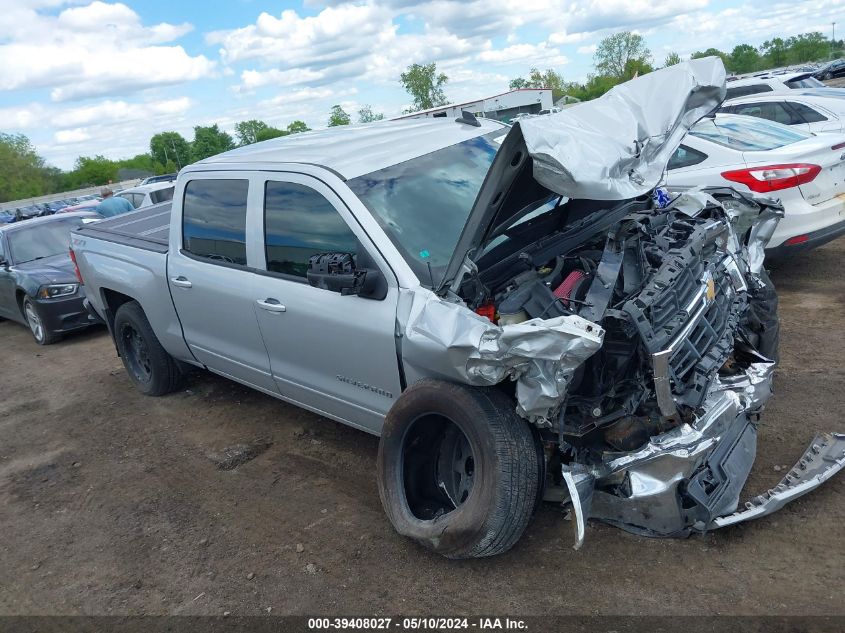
(332, 353)
(211, 280)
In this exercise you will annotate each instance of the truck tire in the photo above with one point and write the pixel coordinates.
(153, 371)
(458, 469)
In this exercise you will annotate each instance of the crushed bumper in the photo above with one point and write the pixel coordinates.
(690, 479)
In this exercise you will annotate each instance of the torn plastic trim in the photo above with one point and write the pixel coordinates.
(449, 340)
(580, 485)
(822, 460)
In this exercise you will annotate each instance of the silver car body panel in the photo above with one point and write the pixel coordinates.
(353, 150)
(616, 147)
(448, 340)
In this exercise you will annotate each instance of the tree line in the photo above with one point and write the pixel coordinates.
(618, 57)
(622, 56)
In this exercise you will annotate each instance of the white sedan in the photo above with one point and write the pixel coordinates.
(805, 171)
(146, 195)
(819, 110)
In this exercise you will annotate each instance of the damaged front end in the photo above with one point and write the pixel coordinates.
(639, 338)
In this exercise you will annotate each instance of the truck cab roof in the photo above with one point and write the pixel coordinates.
(354, 150)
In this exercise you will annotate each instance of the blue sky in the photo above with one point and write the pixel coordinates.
(83, 78)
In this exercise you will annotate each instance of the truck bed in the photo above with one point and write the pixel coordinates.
(147, 228)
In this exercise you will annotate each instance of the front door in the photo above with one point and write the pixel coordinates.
(212, 284)
(332, 353)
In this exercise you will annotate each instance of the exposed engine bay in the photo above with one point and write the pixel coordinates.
(656, 276)
(690, 344)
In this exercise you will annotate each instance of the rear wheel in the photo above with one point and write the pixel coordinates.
(458, 470)
(153, 371)
(40, 332)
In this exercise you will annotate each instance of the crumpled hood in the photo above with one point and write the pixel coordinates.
(57, 269)
(616, 147)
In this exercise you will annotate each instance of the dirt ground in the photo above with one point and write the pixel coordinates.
(112, 502)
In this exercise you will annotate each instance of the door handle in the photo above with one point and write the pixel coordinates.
(181, 281)
(271, 305)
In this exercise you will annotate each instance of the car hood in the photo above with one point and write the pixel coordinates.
(57, 269)
(615, 147)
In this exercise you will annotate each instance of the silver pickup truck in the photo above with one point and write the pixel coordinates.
(510, 309)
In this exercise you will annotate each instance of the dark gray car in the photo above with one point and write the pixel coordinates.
(38, 284)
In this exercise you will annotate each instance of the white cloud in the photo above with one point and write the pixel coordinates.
(92, 50)
(252, 79)
(587, 50)
(66, 137)
(532, 54)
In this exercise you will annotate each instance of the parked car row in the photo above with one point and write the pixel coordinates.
(152, 190)
(38, 210)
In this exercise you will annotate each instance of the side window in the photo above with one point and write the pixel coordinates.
(214, 220)
(772, 111)
(161, 195)
(744, 91)
(130, 197)
(685, 157)
(806, 113)
(299, 223)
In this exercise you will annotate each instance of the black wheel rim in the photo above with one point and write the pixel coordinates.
(439, 466)
(136, 354)
(455, 466)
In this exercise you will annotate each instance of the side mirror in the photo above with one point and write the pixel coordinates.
(339, 272)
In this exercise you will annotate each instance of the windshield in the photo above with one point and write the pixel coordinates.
(423, 203)
(746, 133)
(41, 240)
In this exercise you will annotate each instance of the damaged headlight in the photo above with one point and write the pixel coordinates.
(57, 290)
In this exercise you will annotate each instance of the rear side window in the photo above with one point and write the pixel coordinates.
(744, 91)
(686, 157)
(806, 112)
(161, 195)
(214, 220)
(771, 110)
(298, 223)
(131, 198)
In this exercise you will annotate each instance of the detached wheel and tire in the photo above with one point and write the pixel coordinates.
(40, 333)
(458, 469)
(150, 367)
